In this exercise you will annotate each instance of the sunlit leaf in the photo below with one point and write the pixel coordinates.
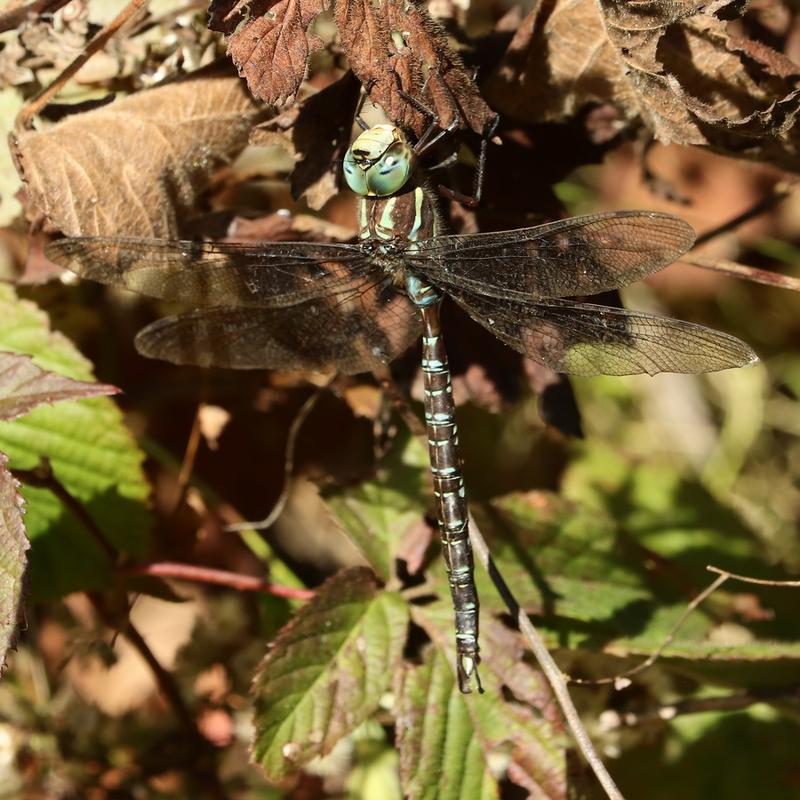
(440, 755)
(136, 167)
(395, 45)
(675, 66)
(91, 454)
(326, 671)
(377, 514)
(439, 726)
(561, 560)
(662, 509)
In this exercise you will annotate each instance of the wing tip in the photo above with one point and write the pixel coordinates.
(753, 358)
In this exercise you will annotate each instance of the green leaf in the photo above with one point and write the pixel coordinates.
(326, 671)
(560, 562)
(439, 727)
(13, 546)
(559, 559)
(92, 455)
(377, 514)
(23, 386)
(592, 588)
(440, 755)
(374, 772)
(661, 509)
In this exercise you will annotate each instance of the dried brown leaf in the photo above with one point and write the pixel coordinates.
(136, 166)
(24, 386)
(396, 44)
(213, 420)
(317, 134)
(269, 42)
(672, 65)
(281, 227)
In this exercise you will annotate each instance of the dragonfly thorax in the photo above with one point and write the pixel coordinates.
(379, 162)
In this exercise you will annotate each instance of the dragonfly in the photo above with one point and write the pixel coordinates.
(355, 306)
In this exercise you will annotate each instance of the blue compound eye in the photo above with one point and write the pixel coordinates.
(390, 174)
(355, 176)
(378, 162)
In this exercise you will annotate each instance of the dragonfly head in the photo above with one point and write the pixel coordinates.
(379, 162)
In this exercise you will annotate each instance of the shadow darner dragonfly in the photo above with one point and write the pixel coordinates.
(356, 306)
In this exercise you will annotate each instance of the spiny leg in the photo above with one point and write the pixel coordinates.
(480, 170)
(434, 133)
(360, 121)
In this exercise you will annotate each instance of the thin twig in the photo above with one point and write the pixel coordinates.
(753, 274)
(613, 720)
(219, 577)
(25, 117)
(555, 677)
(668, 639)
(389, 386)
(779, 192)
(43, 477)
(189, 458)
(16, 16)
(166, 683)
(757, 581)
(171, 693)
(288, 465)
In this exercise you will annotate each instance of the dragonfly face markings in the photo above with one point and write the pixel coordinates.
(379, 162)
(352, 306)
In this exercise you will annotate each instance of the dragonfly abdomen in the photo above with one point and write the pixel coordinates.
(448, 482)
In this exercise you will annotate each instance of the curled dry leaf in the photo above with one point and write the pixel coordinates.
(136, 166)
(269, 42)
(13, 546)
(24, 386)
(396, 44)
(673, 65)
(389, 45)
(317, 134)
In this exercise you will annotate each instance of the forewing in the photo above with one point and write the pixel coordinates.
(587, 339)
(582, 255)
(263, 275)
(349, 333)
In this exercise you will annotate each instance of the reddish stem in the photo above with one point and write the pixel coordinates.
(220, 577)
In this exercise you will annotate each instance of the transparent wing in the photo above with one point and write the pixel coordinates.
(582, 255)
(207, 274)
(587, 339)
(350, 333)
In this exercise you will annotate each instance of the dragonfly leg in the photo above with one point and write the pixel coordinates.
(451, 499)
(447, 162)
(360, 121)
(434, 133)
(480, 171)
